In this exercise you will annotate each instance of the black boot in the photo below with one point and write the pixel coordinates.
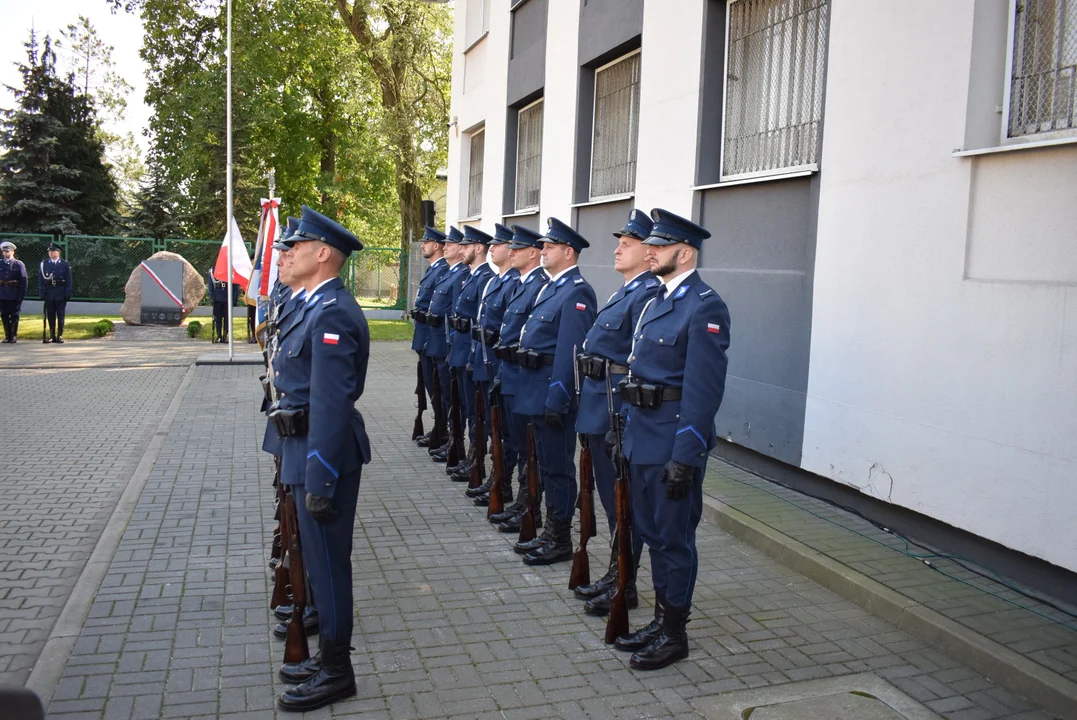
(462, 474)
(441, 454)
(600, 604)
(586, 592)
(334, 680)
(669, 645)
(481, 490)
(557, 549)
(513, 509)
(523, 548)
(423, 440)
(284, 612)
(642, 637)
(465, 462)
(296, 673)
(310, 623)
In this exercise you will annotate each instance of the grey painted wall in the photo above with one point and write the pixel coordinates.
(531, 221)
(711, 99)
(597, 224)
(527, 51)
(761, 260)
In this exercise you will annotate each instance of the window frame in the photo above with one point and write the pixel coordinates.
(470, 144)
(1004, 130)
(542, 148)
(594, 125)
(484, 24)
(786, 171)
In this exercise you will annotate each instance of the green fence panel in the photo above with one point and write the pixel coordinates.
(374, 276)
(101, 265)
(200, 253)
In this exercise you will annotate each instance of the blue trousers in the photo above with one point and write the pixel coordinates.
(445, 379)
(604, 484)
(467, 398)
(516, 442)
(557, 467)
(428, 375)
(668, 527)
(327, 558)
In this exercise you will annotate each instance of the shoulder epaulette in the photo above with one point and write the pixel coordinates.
(706, 292)
(329, 302)
(653, 283)
(579, 280)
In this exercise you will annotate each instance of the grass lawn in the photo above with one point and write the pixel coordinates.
(379, 329)
(76, 327)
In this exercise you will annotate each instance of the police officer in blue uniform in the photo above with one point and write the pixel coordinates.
(218, 295)
(320, 372)
(525, 257)
(484, 364)
(433, 250)
(466, 309)
(54, 281)
(12, 290)
(446, 291)
(563, 312)
(677, 371)
(606, 348)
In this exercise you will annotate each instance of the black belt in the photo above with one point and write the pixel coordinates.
(435, 321)
(594, 366)
(486, 337)
(289, 423)
(506, 353)
(460, 324)
(531, 360)
(649, 396)
(419, 316)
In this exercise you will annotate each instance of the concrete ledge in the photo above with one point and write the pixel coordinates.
(1054, 692)
(221, 358)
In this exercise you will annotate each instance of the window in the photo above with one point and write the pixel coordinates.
(616, 128)
(774, 86)
(1042, 83)
(529, 157)
(476, 21)
(474, 174)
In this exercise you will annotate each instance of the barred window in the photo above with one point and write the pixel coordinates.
(616, 130)
(474, 174)
(774, 86)
(1042, 84)
(529, 157)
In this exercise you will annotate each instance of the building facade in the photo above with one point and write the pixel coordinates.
(892, 193)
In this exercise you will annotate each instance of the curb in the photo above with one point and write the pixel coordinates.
(49, 668)
(1054, 692)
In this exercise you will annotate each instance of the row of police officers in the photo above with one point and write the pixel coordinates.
(512, 315)
(54, 281)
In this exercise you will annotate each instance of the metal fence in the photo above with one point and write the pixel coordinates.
(101, 265)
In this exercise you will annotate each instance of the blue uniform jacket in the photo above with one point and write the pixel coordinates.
(422, 300)
(517, 310)
(12, 270)
(467, 306)
(611, 337)
(681, 342)
(219, 294)
(54, 279)
(561, 316)
(282, 294)
(491, 313)
(322, 366)
(446, 291)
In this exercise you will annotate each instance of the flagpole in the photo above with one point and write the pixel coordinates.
(228, 182)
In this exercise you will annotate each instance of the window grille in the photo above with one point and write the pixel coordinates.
(616, 128)
(474, 179)
(529, 157)
(774, 86)
(1043, 74)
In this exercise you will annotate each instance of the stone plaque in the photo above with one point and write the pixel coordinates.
(161, 302)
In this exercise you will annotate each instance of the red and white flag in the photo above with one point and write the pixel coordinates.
(264, 274)
(241, 262)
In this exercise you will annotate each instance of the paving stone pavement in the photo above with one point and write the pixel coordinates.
(450, 623)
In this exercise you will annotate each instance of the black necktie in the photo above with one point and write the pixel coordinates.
(661, 295)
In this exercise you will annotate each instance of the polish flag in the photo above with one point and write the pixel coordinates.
(711, 327)
(241, 261)
(330, 338)
(581, 306)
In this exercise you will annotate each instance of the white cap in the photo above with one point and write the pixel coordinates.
(6, 245)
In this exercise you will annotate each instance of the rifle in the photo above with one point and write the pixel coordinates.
(275, 547)
(478, 468)
(617, 624)
(581, 566)
(497, 457)
(420, 390)
(527, 520)
(437, 433)
(295, 645)
(281, 579)
(456, 422)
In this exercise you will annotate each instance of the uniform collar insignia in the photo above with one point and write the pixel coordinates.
(633, 285)
(682, 291)
(561, 282)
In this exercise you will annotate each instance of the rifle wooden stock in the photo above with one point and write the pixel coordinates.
(417, 430)
(478, 469)
(456, 420)
(275, 548)
(438, 432)
(527, 520)
(281, 579)
(497, 457)
(581, 566)
(295, 645)
(617, 624)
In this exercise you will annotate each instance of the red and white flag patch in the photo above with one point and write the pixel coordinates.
(581, 306)
(711, 327)
(330, 339)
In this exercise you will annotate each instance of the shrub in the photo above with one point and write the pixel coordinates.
(193, 328)
(101, 328)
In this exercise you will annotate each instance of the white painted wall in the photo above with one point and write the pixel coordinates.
(944, 393)
(559, 112)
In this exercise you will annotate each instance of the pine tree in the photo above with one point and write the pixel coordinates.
(156, 203)
(34, 182)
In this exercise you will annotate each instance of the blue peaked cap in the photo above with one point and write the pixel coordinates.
(502, 235)
(432, 234)
(315, 226)
(473, 236)
(524, 238)
(561, 233)
(638, 225)
(455, 235)
(670, 229)
(293, 225)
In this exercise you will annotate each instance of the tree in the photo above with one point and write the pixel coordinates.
(33, 181)
(155, 207)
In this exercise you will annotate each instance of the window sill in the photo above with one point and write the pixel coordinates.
(470, 219)
(758, 179)
(521, 213)
(605, 199)
(478, 40)
(1032, 145)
